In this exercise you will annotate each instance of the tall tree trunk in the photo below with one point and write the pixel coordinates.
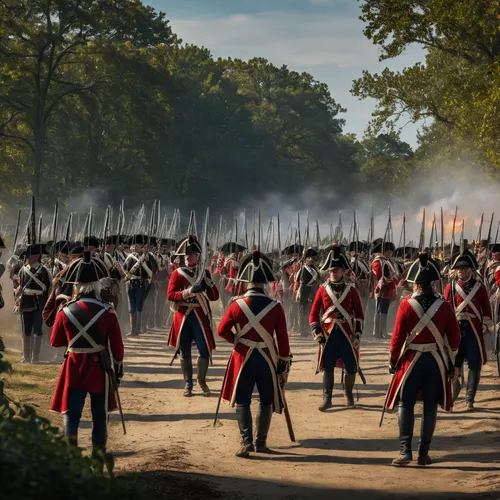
(39, 132)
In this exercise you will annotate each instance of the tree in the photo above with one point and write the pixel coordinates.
(459, 81)
(44, 44)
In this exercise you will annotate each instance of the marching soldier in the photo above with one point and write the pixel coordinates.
(139, 267)
(423, 346)
(361, 270)
(261, 354)
(470, 301)
(336, 321)
(192, 321)
(31, 296)
(307, 280)
(88, 327)
(385, 287)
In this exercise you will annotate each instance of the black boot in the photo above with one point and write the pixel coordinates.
(350, 378)
(426, 432)
(264, 415)
(133, 325)
(139, 329)
(406, 418)
(187, 372)
(472, 384)
(27, 347)
(37, 343)
(327, 390)
(456, 388)
(72, 440)
(244, 416)
(202, 375)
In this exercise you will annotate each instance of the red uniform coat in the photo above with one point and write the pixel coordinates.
(346, 311)
(80, 370)
(233, 287)
(385, 288)
(497, 276)
(477, 312)
(406, 320)
(181, 280)
(247, 339)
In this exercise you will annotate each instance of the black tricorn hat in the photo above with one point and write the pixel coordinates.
(255, 268)
(360, 246)
(168, 242)
(495, 247)
(311, 252)
(86, 269)
(62, 246)
(76, 250)
(335, 259)
(189, 244)
(231, 247)
(90, 241)
(423, 270)
(293, 250)
(138, 239)
(113, 239)
(465, 258)
(405, 252)
(35, 249)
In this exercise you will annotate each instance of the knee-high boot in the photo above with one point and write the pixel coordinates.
(406, 418)
(37, 343)
(244, 416)
(472, 385)
(27, 347)
(264, 415)
(426, 432)
(187, 372)
(349, 381)
(202, 375)
(327, 390)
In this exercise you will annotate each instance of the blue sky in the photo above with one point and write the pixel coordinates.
(322, 37)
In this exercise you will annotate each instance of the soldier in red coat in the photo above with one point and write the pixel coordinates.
(87, 327)
(190, 301)
(336, 321)
(261, 354)
(385, 280)
(471, 303)
(424, 343)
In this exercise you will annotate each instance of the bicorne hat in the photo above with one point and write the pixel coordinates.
(256, 268)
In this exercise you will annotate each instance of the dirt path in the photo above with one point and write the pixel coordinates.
(339, 454)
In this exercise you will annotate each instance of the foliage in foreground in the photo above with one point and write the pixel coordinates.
(37, 463)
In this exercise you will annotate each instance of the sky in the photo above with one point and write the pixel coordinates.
(323, 37)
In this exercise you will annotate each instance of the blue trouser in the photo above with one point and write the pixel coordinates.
(76, 402)
(469, 348)
(32, 321)
(136, 291)
(255, 372)
(191, 331)
(426, 377)
(338, 347)
(383, 305)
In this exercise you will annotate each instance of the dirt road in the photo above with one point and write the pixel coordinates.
(339, 454)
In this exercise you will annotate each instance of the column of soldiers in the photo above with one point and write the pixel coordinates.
(432, 337)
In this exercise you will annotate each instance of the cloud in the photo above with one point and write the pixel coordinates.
(329, 45)
(298, 40)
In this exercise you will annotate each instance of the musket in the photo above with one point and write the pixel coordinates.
(220, 393)
(462, 232)
(54, 234)
(288, 418)
(442, 232)
(67, 235)
(40, 223)
(298, 227)
(33, 222)
(318, 237)
(496, 235)
(114, 384)
(16, 235)
(279, 237)
(361, 375)
(489, 230)
(258, 232)
(421, 242)
(480, 232)
(452, 243)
